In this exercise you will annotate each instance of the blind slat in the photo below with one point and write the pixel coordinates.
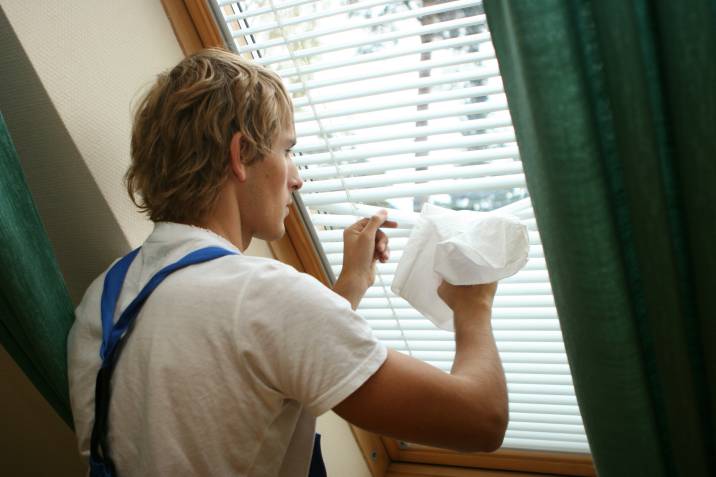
(528, 324)
(396, 253)
(545, 445)
(487, 139)
(546, 418)
(394, 87)
(501, 301)
(532, 336)
(374, 194)
(498, 313)
(493, 91)
(558, 389)
(560, 409)
(406, 133)
(541, 357)
(466, 110)
(389, 53)
(553, 427)
(468, 60)
(533, 368)
(337, 235)
(503, 290)
(306, 18)
(545, 436)
(529, 276)
(335, 256)
(389, 268)
(260, 11)
(464, 172)
(502, 346)
(508, 358)
(388, 87)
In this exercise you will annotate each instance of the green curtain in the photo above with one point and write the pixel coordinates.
(35, 309)
(614, 107)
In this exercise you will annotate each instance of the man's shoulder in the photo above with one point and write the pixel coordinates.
(258, 268)
(278, 275)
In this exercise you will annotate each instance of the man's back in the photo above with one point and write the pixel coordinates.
(227, 366)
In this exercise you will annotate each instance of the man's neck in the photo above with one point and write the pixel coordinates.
(225, 220)
(229, 233)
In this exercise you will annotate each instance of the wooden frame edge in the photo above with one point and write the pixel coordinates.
(401, 469)
(205, 23)
(373, 450)
(558, 463)
(183, 26)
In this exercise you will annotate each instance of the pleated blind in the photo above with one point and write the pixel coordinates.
(398, 103)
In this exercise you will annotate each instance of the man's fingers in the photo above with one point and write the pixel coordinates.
(383, 256)
(381, 246)
(360, 225)
(381, 241)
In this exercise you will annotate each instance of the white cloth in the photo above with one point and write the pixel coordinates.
(463, 248)
(228, 365)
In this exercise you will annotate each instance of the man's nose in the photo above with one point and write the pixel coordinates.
(295, 182)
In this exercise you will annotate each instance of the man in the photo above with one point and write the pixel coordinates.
(229, 361)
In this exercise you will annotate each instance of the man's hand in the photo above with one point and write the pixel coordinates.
(467, 297)
(363, 244)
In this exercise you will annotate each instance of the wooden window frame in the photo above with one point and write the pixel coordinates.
(195, 28)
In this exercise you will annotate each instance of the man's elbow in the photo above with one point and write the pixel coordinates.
(489, 433)
(498, 427)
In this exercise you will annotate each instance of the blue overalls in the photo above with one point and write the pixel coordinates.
(113, 338)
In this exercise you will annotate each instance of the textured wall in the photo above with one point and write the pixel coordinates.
(80, 224)
(340, 451)
(70, 72)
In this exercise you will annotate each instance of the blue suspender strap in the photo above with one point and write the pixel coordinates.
(113, 281)
(101, 464)
(114, 336)
(317, 469)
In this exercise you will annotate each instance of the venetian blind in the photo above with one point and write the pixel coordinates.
(398, 103)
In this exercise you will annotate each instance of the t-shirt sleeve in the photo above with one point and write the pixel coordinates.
(305, 340)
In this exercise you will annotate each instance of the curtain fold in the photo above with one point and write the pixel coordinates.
(36, 312)
(614, 104)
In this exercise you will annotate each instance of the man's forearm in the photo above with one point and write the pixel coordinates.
(476, 355)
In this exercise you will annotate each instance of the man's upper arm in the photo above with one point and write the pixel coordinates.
(305, 341)
(414, 401)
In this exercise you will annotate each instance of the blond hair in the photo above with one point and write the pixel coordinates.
(183, 127)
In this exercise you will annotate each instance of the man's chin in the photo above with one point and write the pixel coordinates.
(272, 235)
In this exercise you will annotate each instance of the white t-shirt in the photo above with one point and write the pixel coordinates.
(228, 365)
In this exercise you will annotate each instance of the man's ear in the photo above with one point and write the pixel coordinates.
(237, 167)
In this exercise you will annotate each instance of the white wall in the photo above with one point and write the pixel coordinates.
(93, 58)
(69, 72)
(340, 451)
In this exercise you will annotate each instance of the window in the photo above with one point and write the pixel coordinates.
(398, 104)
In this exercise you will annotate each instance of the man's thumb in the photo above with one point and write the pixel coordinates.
(376, 221)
